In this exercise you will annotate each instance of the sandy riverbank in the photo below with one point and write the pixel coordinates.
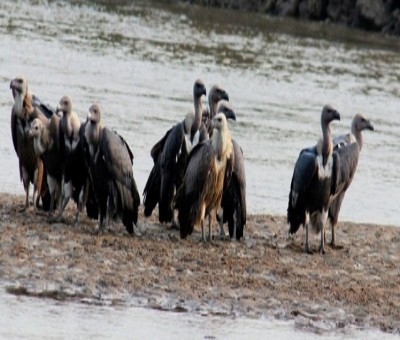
(265, 275)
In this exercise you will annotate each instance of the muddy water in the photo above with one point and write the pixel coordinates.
(139, 61)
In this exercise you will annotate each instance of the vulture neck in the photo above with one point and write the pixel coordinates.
(357, 134)
(42, 142)
(221, 143)
(326, 144)
(23, 105)
(213, 107)
(198, 115)
(93, 133)
(69, 131)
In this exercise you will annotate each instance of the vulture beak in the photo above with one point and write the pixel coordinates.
(225, 97)
(336, 115)
(229, 114)
(12, 84)
(370, 126)
(204, 91)
(89, 116)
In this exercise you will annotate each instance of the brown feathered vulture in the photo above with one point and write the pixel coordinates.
(314, 182)
(23, 112)
(201, 191)
(46, 145)
(348, 148)
(110, 167)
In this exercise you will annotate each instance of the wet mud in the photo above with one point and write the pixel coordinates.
(266, 275)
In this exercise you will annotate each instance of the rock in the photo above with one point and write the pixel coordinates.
(371, 14)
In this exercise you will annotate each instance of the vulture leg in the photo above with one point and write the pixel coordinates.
(175, 222)
(322, 246)
(203, 236)
(220, 223)
(66, 195)
(220, 219)
(307, 245)
(209, 225)
(334, 210)
(25, 180)
(321, 222)
(83, 197)
(37, 187)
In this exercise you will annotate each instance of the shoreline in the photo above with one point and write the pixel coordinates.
(367, 15)
(265, 275)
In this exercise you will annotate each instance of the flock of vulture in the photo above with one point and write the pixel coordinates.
(198, 169)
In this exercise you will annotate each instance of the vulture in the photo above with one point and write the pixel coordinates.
(23, 112)
(110, 167)
(201, 191)
(216, 94)
(348, 147)
(46, 146)
(72, 158)
(170, 158)
(314, 182)
(233, 204)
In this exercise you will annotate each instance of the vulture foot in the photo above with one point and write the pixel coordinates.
(309, 251)
(322, 250)
(174, 226)
(335, 246)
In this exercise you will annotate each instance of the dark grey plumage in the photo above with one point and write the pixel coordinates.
(348, 148)
(111, 173)
(30, 166)
(201, 191)
(314, 183)
(170, 158)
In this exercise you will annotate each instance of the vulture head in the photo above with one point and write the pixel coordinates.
(329, 114)
(36, 128)
(361, 123)
(19, 86)
(199, 89)
(65, 105)
(226, 108)
(216, 94)
(94, 114)
(219, 123)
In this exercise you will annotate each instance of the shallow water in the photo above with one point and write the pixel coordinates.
(30, 318)
(139, 63)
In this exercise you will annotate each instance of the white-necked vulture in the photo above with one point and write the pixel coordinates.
(74, 172)
(201, 191)
(314, 182)
(46, 139)
(111, 162)
(30, 166)
(348, 147)
(233, 204)
(170, 159)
